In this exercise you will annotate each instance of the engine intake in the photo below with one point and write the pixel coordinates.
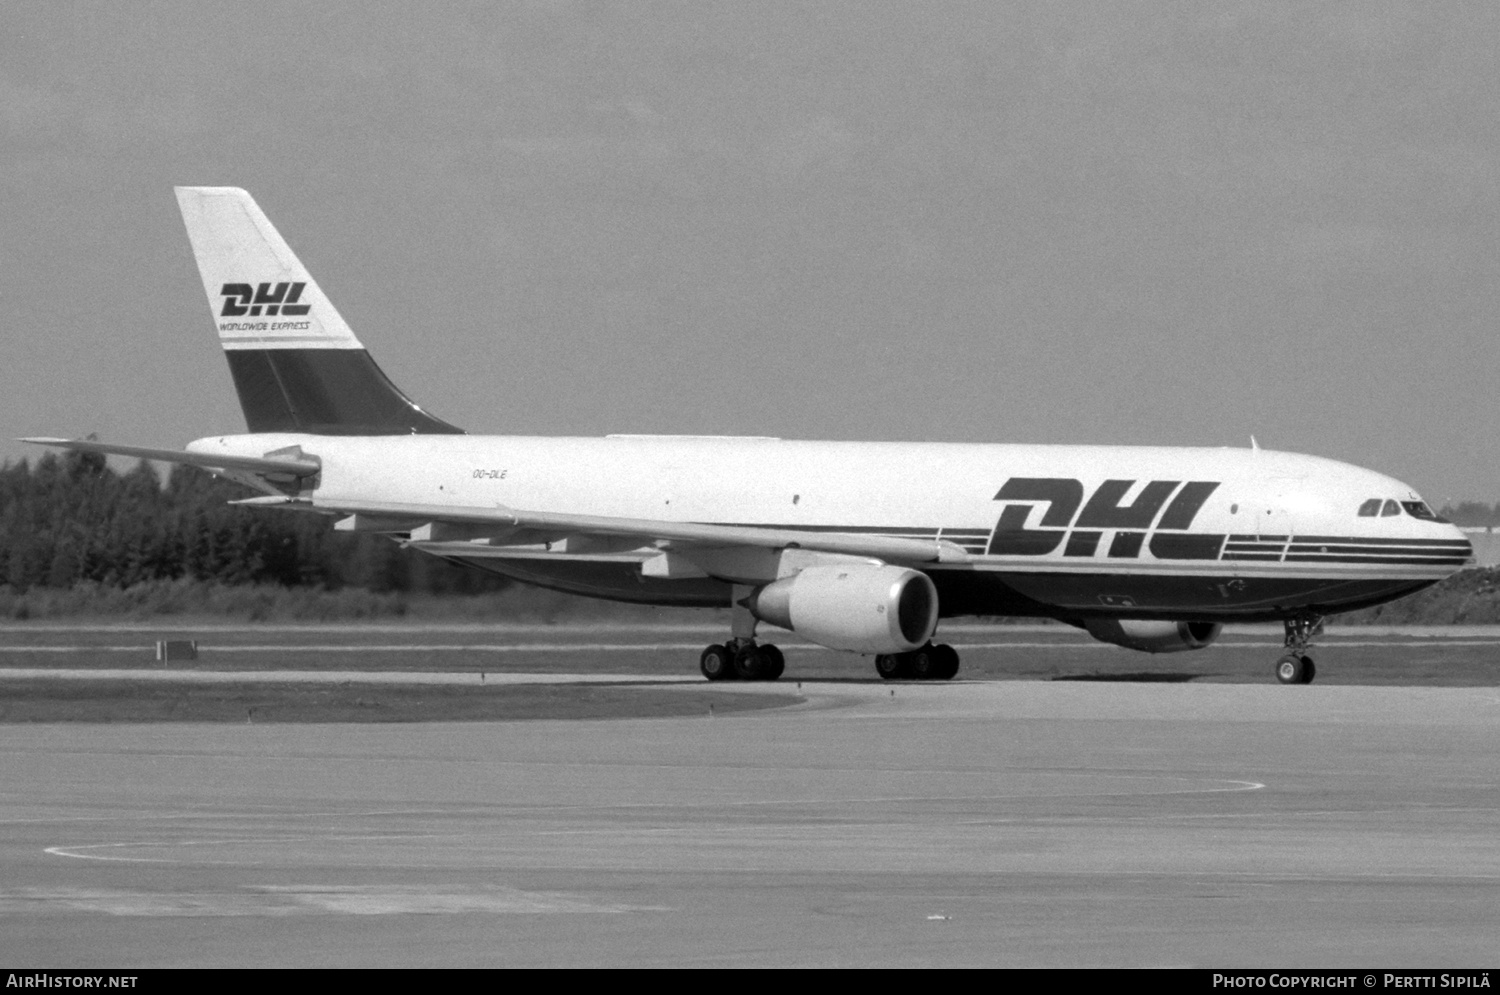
(1154, 637)
(860, 607)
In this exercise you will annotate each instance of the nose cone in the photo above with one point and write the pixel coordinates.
(1420, 522)
(1393, 514)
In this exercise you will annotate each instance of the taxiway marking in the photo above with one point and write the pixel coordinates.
(71, 850)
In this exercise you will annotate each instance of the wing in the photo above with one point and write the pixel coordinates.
(526, 526)
(505, 525)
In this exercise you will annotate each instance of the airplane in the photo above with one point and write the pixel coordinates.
(857, 546)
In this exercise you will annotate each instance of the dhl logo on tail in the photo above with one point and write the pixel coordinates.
(241, 299)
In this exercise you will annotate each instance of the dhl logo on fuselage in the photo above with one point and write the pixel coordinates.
(241, 299)
(1084, 528)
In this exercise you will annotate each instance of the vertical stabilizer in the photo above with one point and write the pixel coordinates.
(296, 363)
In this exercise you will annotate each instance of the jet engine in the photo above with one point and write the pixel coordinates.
(863, 607)
(1154, 637)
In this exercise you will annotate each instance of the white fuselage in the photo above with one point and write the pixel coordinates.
(1199, 532)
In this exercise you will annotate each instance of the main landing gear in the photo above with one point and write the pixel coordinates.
(927, 663)
(1296, 667)
(742, 660)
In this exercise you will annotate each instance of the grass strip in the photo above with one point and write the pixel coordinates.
(127, 701)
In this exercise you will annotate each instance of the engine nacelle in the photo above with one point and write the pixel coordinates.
(861, 607)
(1154, 637)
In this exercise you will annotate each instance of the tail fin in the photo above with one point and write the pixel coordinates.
(296, 365)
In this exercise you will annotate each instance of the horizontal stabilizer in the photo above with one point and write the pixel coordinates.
(211, 461)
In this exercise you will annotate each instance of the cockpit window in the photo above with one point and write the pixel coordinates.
(1419, 509)
(1386, 508)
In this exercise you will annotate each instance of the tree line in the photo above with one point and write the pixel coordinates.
(71, 518)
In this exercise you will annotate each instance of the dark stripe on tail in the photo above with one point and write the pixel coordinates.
(324, 392)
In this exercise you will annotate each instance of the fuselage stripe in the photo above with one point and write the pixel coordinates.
(1375, 551)
(1425, 560)
(1178, 546)
(1372, 541)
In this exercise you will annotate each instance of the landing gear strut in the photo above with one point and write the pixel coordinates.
(1296, 667)
(742, 658)
(927, 663)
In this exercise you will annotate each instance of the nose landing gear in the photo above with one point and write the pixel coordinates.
(1296, 667)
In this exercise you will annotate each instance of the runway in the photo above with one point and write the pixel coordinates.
(986, 823)
(1421, 656)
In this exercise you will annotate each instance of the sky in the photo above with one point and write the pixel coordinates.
(1154, 224)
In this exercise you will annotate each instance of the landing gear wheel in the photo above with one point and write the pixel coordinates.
(892, 666)
(1292, 669)
(1296, 667)
(924, 663)
(947, 658)
(750, 664)
(775, 663)
(717, 663)
(927, 663)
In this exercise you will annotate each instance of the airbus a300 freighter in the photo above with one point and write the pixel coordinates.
(857, 546)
